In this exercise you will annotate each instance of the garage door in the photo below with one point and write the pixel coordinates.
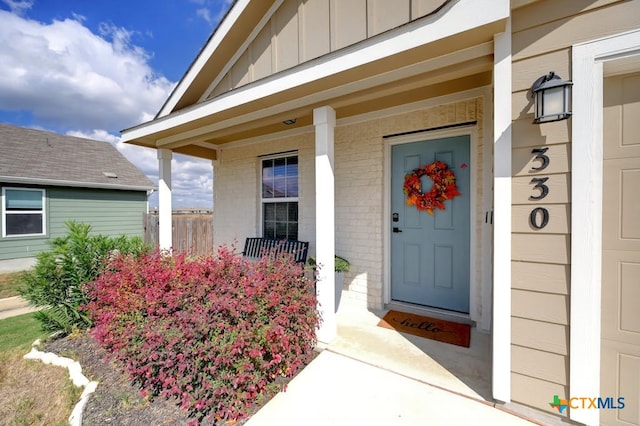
(620, 344)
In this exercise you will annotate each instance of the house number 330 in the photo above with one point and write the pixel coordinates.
(539, 216)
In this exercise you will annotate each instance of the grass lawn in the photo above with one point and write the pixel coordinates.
(19, 332)
(9, 283)
(31, 393)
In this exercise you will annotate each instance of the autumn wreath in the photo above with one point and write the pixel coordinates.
(443, 188)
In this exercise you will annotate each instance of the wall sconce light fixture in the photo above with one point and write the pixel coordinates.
(552, 98)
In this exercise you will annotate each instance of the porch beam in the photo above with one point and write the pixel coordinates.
(197, 151)
(324, 120)
(164, 199)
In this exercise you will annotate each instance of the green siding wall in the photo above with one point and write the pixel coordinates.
(109, 212)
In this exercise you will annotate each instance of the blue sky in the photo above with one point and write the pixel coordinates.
(91, 68)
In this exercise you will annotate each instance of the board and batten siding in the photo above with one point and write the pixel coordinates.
(301, 30)
(542, 35)
(109, 212)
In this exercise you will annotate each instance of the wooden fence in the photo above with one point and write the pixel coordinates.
(192, 234)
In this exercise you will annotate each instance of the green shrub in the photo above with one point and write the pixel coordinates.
(341, 264)
(56, 283)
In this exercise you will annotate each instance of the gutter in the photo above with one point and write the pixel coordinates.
(75, 184)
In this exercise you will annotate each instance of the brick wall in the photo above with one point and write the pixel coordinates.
(359, 172)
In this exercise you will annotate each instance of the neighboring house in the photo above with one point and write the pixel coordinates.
(313, 111)
(47, 179)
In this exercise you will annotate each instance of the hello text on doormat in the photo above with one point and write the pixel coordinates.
(430, 328)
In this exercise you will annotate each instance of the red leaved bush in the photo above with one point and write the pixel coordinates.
(215, 331)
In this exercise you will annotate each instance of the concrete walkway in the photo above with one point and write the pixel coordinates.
(14, 306)
(371, 375)
(337, 390)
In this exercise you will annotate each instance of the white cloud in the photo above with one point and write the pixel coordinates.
(18, 6)
(63, 73)
(97, 84)
(212, 11)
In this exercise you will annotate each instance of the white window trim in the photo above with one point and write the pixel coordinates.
(586, 217)
(278, 199)
(43, 212)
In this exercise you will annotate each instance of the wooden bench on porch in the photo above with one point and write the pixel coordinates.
(256, 247)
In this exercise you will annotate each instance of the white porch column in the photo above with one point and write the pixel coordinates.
(164, 199)
(501, 354)
(324, 119)
(214, 167)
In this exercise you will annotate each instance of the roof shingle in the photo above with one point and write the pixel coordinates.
(38, 157)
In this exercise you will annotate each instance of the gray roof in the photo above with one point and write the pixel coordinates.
(36, 157)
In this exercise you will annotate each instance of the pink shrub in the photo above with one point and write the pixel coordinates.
(216, 332)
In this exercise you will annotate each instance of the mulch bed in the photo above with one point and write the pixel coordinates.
(116, 400)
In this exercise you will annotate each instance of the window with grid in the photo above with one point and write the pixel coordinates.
(280, 197)
(22, 212)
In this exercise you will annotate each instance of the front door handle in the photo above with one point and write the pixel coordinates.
(396, 229)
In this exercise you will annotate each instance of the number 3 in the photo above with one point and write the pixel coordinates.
(540, 155)
(544, 189)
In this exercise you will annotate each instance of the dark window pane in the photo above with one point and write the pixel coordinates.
(269, 211)
(23, 224)
(293, 212)
(293, 231)
(269, 230)
(280, 220)
(281, 230)
(281, 212)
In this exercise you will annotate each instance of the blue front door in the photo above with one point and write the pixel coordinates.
(430, 253)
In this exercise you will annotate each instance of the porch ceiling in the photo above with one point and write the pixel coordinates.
(457, 63)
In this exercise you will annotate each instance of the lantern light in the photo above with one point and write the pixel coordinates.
(552, 98)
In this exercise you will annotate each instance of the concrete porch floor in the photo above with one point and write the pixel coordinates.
(370, 375)
(466, 371)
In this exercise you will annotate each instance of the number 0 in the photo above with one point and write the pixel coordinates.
(535, 216)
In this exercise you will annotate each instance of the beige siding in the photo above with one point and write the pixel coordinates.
(536, 392)
(286, 36)
(543, 33)
(315, 39)
(544, 365)
(348, 22)
(541, 248)
(383, 15)
(524, 162)
(301, 30)
(553, 308)
(546, 278)
(560, 213)
(544, 336)
(580, 24)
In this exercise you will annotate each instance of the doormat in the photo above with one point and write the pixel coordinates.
(429, 328)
